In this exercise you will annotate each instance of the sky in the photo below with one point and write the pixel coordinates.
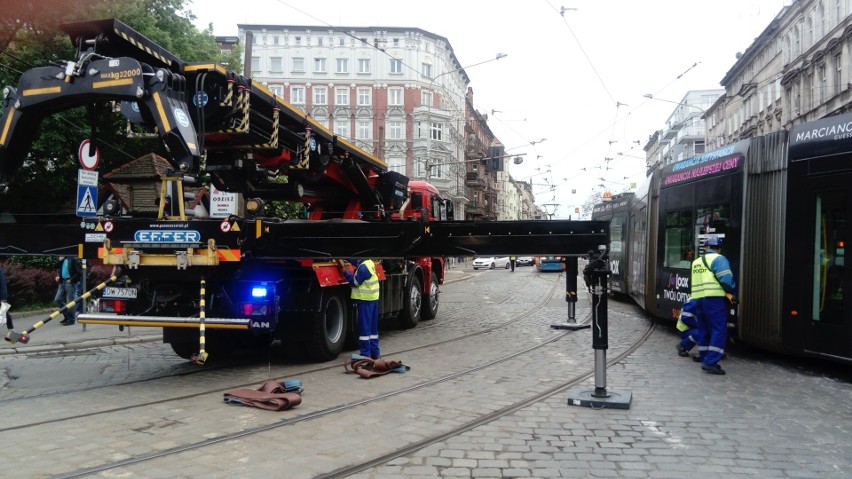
(575, 77)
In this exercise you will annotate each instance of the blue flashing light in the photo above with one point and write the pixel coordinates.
(258, 292)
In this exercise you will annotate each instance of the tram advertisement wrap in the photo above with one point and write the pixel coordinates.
(675, 290)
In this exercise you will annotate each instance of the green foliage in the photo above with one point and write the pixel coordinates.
(46, 181)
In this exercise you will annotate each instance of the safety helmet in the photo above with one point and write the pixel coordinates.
(713, 241)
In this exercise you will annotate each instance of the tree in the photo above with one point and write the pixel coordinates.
(46, 181)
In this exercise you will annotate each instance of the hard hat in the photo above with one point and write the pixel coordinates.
(713, 241)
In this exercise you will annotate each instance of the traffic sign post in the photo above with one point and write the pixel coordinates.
(87, 193)
(89, 155)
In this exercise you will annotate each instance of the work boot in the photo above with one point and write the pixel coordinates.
(681, 351)
(712, 369)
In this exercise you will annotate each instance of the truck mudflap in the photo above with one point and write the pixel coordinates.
(164, 321)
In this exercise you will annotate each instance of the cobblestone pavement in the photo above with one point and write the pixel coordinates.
(763, 419)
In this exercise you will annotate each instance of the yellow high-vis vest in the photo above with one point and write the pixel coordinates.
(704, 282)
(369, 289)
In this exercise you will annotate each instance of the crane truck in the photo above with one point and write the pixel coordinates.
(212, 284)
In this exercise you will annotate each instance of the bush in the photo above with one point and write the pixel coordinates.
(29, 285)
(32, 281)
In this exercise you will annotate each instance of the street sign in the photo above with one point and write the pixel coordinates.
(222, 204)
(89, 155)
(87, 178)
(87, 200)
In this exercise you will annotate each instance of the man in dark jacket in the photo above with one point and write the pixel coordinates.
(68, 275)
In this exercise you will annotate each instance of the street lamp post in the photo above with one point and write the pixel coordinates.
(432, 81)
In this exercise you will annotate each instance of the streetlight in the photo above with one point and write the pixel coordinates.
(429, 108)
(652, 97)
(533, 143)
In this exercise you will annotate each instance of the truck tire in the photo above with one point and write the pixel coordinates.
(412, 304)
(329, 327)
(185, 349)
(430, 305)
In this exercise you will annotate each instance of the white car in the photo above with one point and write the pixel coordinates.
(491, 262)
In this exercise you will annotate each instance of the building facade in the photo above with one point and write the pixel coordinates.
(683, 135)
(797, 70)
(399, 93)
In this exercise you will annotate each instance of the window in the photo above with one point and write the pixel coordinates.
(829, 257)
(319, 65)
(365, 130)
(396, 163)
(298, 64)
(342, 65)
(319, 41)
(437, 170)
(320, 95)
(396, 42)
(364, 65)
(395, 130)
(341, 41)
(437, 131)
(255, 64)
(678, 251)
(395, 66)
(275, 64)
(275, 40)
(426, 98)
(426, 70)
(254, 40)
(341, 127)
(297, 40)
(395, 96)
(297, 95)
(838, 71)
(364, 97)
(823, 84)
(341, 96)
(276, 90)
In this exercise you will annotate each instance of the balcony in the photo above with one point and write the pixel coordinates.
(473, 178)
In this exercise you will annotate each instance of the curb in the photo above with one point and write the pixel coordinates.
(86, 344)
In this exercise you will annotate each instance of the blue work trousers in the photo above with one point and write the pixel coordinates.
(712, 329)
(368, 328)
(65, 293)
(688, 338)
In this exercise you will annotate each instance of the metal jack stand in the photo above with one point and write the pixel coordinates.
(571, 296)
(599, 397)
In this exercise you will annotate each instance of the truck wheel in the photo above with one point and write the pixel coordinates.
(329, 328)
(431, 305)
(412, 304)
(185, 349)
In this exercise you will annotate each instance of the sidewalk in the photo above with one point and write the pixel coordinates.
(53, 336)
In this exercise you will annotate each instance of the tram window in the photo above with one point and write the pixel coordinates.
(615, 234)
(829, 257)
(678, 249)
(711, 220)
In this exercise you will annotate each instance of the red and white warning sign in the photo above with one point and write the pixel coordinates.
(225, 226)
(108, 226)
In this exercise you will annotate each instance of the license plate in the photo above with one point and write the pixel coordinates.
(113, 292)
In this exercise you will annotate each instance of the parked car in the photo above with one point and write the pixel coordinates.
(491, 262)
(525, 261)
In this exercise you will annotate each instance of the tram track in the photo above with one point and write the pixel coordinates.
(281, 372)
(169, 454)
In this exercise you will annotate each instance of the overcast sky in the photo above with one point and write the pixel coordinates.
(564, 75)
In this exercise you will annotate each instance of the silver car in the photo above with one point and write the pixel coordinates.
(491, 262)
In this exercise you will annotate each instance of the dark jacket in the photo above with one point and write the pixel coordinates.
(73, 268)
(4, 290)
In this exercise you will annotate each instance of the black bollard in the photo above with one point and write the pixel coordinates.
(596, 274)
(571, 270)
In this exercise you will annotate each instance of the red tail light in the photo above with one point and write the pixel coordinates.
(255, 309)
(113, 305)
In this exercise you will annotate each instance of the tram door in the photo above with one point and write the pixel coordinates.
(828, 328)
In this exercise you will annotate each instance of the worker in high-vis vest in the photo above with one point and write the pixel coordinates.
(712, 286)
(365, 294)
